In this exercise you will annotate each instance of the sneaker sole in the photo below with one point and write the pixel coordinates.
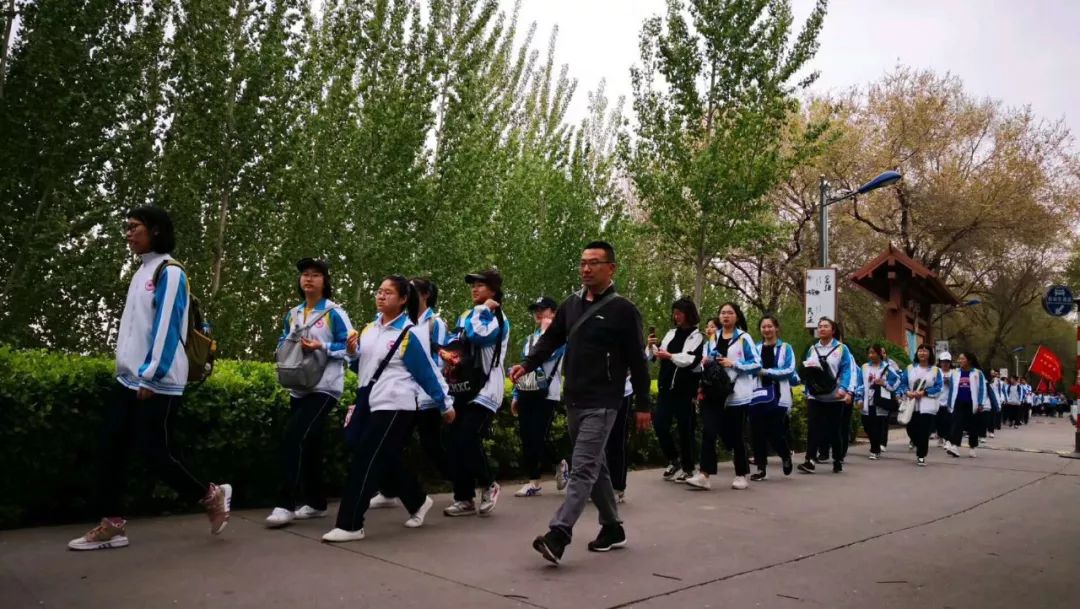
(540, 546)
(276, 525)
(614, 546)
(101, 545)
(311, 517)
(459, 514)
(226, 489)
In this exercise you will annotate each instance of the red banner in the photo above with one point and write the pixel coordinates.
(1046, 365)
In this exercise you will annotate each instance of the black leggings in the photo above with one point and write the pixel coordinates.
(535, 413)
(965, 418)
(919, 431)
(727, 423)
(877, 429)
(146, 426)
(469, 462)
(302, 452)
(377, 463)
(769, 428)
(680, 409)
(824, 428)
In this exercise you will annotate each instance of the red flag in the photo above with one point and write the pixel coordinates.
(1046, 365)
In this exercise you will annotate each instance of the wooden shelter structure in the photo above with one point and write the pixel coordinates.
(909, 291)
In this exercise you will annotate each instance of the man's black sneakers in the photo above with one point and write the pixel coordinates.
(837, 467)
(610, 537)
(551, 545)
(788, 466)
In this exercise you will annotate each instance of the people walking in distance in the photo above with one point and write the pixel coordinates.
(999, 387)
(877, 393)
(922, 382)
(1026, 402)
(535, 398)
(679, 354)
(967, 395)
(327, 329)
(724, 416)
(392, 363)
(831, 361)
(772, 404)
(476, 377)
(991, 404)
(943, 420)
(1014, 397)
(602, 334)
(431, 331)
(151, 375)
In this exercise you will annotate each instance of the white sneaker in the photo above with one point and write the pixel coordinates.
(942, 443)
(489, 498)
(921, 462)
(873, 457)
(971, 453)
(279, 517)
(699, 481)
(681, 476)
(306, 512)
(417, 519)
(341, 535)
(530, 489)
(883, 449)
(740, 483)
(991, 435)
(460, 508)
(380, 502)
(562, 475)
(952, 450)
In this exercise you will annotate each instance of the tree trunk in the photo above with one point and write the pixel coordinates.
(5, 43)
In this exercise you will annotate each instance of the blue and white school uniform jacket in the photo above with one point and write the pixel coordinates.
(333, 332)
(431, 331)
(997, 388)
(552, 367)
(934, 386)
(149, 352)
(977, 385)
(784, 372)
(1027, 399)
(409, 372)
(864, 391)
(840, 362)
(948, 379)
(1014, 394)
(743, 374)
(481, 327)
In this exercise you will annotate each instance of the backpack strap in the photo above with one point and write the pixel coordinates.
(593, 310)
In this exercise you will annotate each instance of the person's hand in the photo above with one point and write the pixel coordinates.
(880, 382)
(514, 407)
(449, 416)
(725, 362)
(643, 420)
(663, 354)
(352, 342)
(310, 344)
(144, 393)
(652, 340)
(491, 304)
(843, 395)
(348, 414)
(516, 372)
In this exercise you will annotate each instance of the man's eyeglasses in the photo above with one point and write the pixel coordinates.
(592, 263)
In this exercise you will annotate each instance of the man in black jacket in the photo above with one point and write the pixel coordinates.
(603, 338)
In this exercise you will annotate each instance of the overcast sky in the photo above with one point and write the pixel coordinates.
(1017, 51)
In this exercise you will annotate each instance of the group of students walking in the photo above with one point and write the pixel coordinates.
(417, 374)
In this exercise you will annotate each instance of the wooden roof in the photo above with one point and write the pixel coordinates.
(923, 284)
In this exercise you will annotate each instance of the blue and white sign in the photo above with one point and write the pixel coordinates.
(1058, 301)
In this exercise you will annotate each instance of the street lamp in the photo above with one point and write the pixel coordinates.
(1016, 359)
(885, 179)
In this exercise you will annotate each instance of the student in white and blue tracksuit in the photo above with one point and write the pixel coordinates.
(922, 382)
(943, 423)
(967, 396)
(485, 327)
(151, 373)
(825, 413)
(535, 406)
(1025, 405)
(878, 385)
(383, 428)
(768, 419)
(736, 353)
(997, 387)
(302, 446)
(431, 331)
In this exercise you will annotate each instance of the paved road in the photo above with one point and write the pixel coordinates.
(1002, 530)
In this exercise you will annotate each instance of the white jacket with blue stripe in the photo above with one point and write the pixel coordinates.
(481, 327)
(332, 330)
(784, 372)
(431, 331)
(977, 384)
(864, 391)
(409, 372)
(743, 374)
(149, 352)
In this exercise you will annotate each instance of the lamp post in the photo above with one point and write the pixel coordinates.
(882, 180)
(1016, 359)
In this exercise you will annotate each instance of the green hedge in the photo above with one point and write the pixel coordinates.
(229, 428)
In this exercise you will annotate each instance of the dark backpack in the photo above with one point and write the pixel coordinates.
(716, 385)
(819, 380)
(199, 348)
(464, 371)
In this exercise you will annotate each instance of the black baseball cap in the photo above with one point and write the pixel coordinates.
(313, 263)
(491, 278)
(543, 302)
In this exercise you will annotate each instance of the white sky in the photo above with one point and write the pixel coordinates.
(1018, 51)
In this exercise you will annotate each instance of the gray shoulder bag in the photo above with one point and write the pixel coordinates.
(296, 369)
